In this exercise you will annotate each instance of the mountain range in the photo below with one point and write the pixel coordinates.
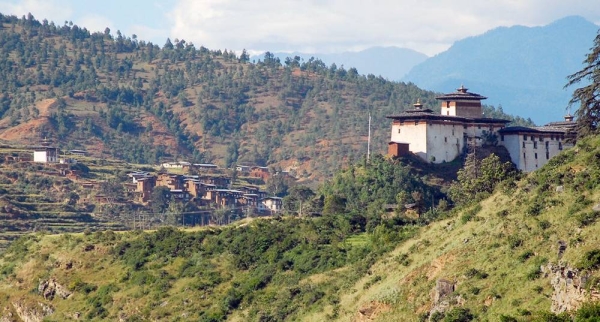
(388, 62)
(523, 69)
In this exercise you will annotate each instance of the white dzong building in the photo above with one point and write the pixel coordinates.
(438, 138)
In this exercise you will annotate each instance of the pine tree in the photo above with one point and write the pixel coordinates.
(588, 114)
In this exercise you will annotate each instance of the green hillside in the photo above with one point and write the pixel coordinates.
(122, 97)
(494, 260)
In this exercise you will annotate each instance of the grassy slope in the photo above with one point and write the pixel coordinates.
(397, 287)
(489, 243)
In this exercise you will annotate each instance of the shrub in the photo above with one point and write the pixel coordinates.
(473, 272)
(507, 318)
(591, 260)
(544, 224)
(534, 273)
(588, 312)
(514, 241)
(525, 256)
(502, 213)
(587, 218)
(459, 314)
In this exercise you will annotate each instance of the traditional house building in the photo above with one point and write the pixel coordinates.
(272, 204)
(531, 147)
(45, 153)
(438, 138)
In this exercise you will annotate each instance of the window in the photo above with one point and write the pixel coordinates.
(479, 127)
(447, 112)
(524, 137)
(398, 130)
(541, 139)
(523, 145)
(547, 145)
(535, 155)
(445, 140)
(416, 122)
(502, 137)
(560, 145)
(524, 157)
(535, 145)
(547, 155)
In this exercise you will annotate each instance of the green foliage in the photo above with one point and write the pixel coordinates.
(590, 260)
(459, 314)
(373, 185)
(479, 178)
(469, 214)
(475, 273)
(588, 312)
(587, 96)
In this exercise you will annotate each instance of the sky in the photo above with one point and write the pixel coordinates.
(308, 26)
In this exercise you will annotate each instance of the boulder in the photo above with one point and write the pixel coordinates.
(569, 287)
(49, 288)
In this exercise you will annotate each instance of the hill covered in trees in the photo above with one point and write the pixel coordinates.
(122, 97)
(526, 250)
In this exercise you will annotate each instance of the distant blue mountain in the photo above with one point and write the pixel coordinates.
(389, 62)
(524, 69)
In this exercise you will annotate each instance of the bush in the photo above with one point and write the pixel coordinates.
(534, 273)
(587, 218)
(459, 314)
(514, 241)
(472, 272)
(544, 224)
(525, 256)
(589, 312)
(591, 260)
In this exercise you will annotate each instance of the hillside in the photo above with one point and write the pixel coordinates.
(521, 68)
(528, 249)
(125, 98)
(391, 63)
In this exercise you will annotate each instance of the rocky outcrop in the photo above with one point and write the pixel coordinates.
(443, 296)
(50, 288)
(32, 313)
(569, 287)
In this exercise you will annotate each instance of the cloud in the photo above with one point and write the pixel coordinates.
(94, 22)
(339, 25)
(41, 9)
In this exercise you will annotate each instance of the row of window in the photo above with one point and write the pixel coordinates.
(547, 145)
(535, 155)
(541, 138)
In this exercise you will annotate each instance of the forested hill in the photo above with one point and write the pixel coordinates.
(118, 96)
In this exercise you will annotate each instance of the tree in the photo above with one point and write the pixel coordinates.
(159, 200)
(298, 199)
(112, 190)
(588, 114)
(478, 177)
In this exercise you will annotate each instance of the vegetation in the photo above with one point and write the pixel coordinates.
(119, 96)
(345, 263)
(588, 96)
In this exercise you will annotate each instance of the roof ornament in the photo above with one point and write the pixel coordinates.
(418, 104)
(569, 117)
(462, 89)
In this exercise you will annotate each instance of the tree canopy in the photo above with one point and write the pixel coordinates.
(588, 96)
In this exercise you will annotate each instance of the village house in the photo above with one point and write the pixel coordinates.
(260, 172)
(45, 153)
(438, 138)
(271, 204)
(175, 165)
(205, 166)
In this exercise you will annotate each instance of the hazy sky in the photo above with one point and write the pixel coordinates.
(428, 26)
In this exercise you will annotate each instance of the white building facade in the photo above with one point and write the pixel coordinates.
(438, 138)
